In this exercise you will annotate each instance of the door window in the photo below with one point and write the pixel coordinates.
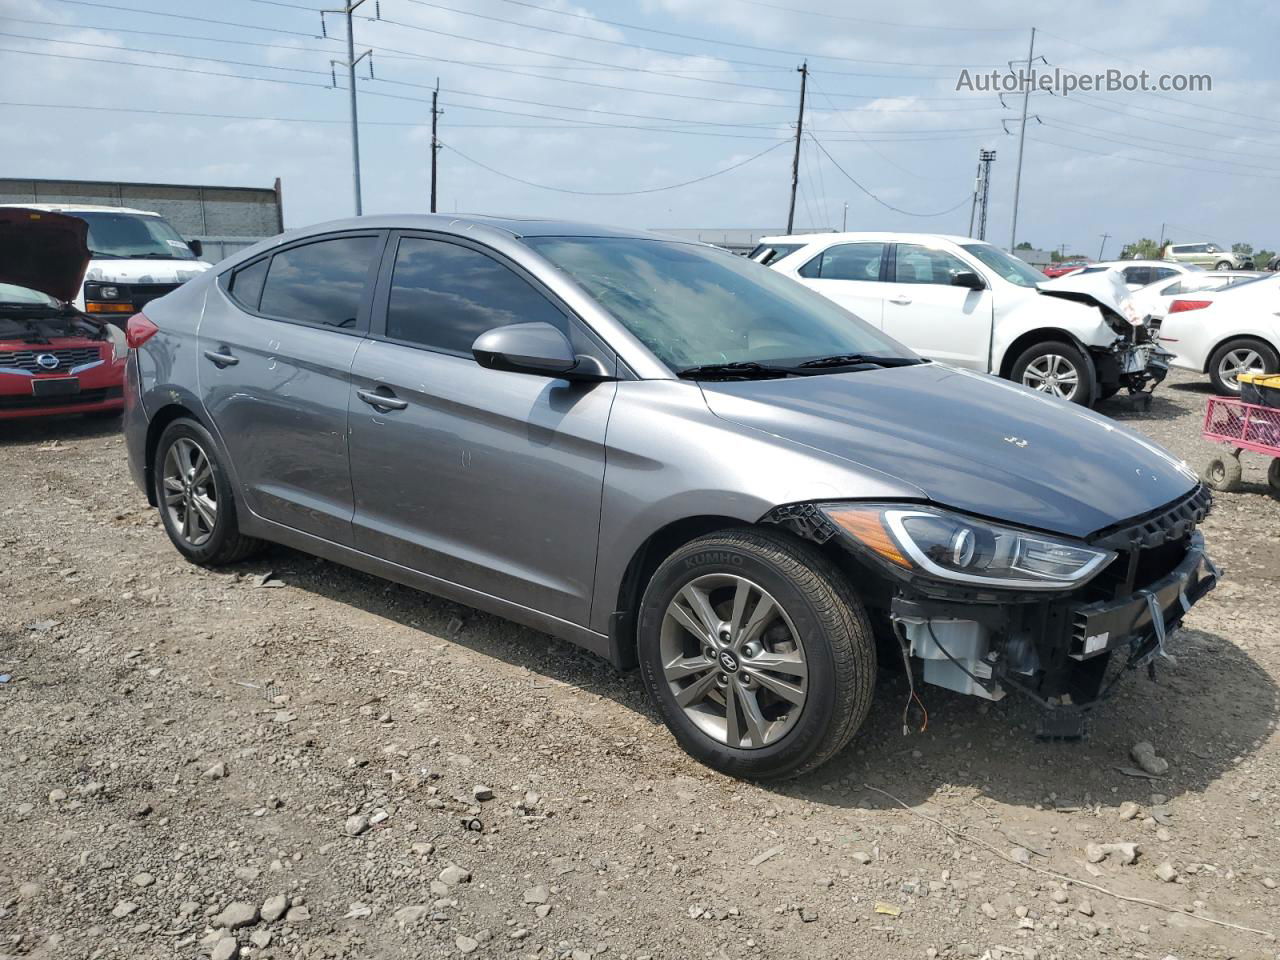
(443, 296)
(1161, 273)
(320, 283)
(917, 264)
(246, 283)
(846, 261)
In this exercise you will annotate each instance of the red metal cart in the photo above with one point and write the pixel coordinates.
(1241, 426)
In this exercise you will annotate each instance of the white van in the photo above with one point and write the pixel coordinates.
(135, 257)
(967, 303)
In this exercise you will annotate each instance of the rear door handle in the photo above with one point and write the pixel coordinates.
(382, 401)
(221, 359)
(900, 300)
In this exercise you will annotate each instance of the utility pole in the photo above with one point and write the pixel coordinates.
(1105, 238)
(981, 193)
(844, 218)
(795, 164)
(1022, 134)
(350, 64)
(973, 207)
(1162, 226)
(435, 143)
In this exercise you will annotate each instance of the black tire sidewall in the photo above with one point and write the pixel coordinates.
(225, 526)
(808, 734)
(1086, 392)
(1268, 353)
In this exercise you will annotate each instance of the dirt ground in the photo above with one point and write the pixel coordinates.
(288, 759)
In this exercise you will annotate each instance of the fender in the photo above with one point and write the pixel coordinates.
(1084, 324)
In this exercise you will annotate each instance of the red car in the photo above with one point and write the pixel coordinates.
(53, 358)
(1062, 268)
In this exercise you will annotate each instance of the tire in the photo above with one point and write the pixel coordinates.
(1038, 364)
(1106, 393)
(1223, 472)
(186, 447)
(817, 636)
(1273, 477)
(1228, 359)
(1222, 265)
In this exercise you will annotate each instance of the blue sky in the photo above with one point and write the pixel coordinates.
(549, 92)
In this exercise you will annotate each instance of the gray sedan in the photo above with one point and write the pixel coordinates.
(674, 457)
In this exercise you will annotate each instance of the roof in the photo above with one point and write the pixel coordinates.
(80, 208)
(1175, 264)
(889, 235)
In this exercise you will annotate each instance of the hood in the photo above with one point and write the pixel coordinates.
(145, 271)
(43, 251)
(969, 442)
(1101, 288)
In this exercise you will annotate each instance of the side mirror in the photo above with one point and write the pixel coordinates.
(537, 348)
(968, 279)
(196, 247)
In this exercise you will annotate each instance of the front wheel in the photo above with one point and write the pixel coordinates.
(1222, 265)
(756, 652)
(1059, 369)
(1235, 357)
(193, 492)
(1223, 473)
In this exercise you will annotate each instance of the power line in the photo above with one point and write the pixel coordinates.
(615, 193)
(1175, 166)
(183, 16)
(683, 36)
(883, 156)
(1053, 121)
(879, 23)
(1098, 105)
(884, 203)
(160, 66)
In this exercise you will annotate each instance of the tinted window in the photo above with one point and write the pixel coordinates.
(1160, 273)
(321, 282)
(443, 296)
(693, 305)
(1140, 275)
(767, 253)
(917, 264)
(846, 261)
(246, 283)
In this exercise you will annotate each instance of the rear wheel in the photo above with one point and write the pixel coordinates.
(1273, 477)
(756, 653)
(1240, 356)
(193, 492)
(1059, 369)
(1222, 265)
(1223, 473)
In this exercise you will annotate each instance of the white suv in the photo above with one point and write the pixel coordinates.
(964, 302)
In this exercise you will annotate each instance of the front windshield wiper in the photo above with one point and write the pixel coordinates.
(154, 256)
(858, 359)
(738, 370)
(103, 255)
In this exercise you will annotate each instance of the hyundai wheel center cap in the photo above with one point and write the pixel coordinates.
(728, 661)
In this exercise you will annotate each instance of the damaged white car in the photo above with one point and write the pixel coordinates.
(969, 304)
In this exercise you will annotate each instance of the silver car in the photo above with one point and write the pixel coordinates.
(674, 457)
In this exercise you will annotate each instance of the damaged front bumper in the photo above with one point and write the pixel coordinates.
(1056, 651)
(1138, 367)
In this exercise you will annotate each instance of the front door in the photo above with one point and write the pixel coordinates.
(483, 478)
(275, 345)
(935, 318)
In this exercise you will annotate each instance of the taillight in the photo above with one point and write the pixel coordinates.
(1182, 306)
(139, 330)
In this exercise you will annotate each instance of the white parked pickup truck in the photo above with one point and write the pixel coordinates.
(967, 303)
(135, 257)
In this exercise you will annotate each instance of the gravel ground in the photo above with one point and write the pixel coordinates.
(289, 759)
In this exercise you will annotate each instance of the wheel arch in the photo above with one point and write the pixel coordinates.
(1219, 344)
(1032, 337)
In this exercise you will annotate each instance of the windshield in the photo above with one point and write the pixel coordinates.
(128, 236)
(10, 295)
(694, 305)
(767, 253)
(1010, 268)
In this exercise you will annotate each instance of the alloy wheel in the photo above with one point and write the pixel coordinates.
(1238, 361)
(190, 496)
(1054, 374)
(734, 661)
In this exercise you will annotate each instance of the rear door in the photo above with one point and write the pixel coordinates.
(934, 318)
(275, 349)
(484, 478)
(852, 275)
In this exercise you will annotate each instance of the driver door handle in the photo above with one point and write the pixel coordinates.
(221, 359)
(900, 300)
(382, 401)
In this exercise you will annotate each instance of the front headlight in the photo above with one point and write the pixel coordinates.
(101, 291)
(950, 546)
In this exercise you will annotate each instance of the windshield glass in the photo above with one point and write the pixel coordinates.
(1010, 268)
(693, 305)
(767, 253)
(132, 237)
(10, 294)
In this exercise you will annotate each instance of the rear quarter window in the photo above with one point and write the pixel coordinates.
(246, 283)
(321, 283)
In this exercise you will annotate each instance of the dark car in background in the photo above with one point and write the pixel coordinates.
(672, 456)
